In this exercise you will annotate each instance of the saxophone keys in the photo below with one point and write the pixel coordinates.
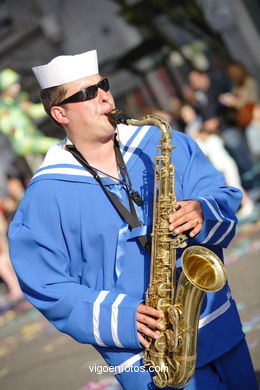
(170, 340)
(161, 379)
(161, 344)
(174, 342)
(162, 304)
(163, 290)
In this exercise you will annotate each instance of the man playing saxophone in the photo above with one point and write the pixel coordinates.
(79, 240)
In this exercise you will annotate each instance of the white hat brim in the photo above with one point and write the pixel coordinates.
(65, 69)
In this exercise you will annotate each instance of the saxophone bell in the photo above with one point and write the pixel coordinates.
(203, 269)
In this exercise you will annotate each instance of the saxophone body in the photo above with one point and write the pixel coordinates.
(173, 355)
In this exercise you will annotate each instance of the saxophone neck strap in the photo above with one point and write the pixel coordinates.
(129, 216)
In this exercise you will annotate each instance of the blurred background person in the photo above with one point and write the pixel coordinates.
(207, 104)
(193, 122)
(176, 120)
(244, 93)
(209, 139)
(252, 132)
(9, 200)
(12, 184)
(17, 115)
(206, 92)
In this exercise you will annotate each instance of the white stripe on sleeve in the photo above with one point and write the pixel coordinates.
(212, 232)
(216, 226)
(215, 314)
(96, 311)
(226, 233)
(212, 209)
(217, 206)
(114, 320)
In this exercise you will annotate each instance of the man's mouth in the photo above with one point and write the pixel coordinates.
(111, 116)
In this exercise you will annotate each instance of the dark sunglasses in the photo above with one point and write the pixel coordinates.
(87, 93)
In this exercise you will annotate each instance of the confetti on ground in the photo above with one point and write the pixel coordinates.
(104, 384)
(61, 340)
(240, 306)
(3, 372)
(253, 344)
(22, 326)
(4, 351)
(248, 326)
(246, 241)
(31, 331)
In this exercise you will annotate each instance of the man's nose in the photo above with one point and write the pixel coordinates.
(103, 95)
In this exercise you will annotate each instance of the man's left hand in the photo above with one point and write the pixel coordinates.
(188, 217)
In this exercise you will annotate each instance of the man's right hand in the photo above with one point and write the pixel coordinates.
(146, 324)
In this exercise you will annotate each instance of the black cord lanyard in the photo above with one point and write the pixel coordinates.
(131, 217)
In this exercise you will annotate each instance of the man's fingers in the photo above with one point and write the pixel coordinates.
(192, 223)
(146, 324)
(147, 310)
(183, 210)
(188, 218)
(142, 318)
(185, 219)
(144, 330)
(186, 207)
(183, 228)
(196, 230)
(143, 341)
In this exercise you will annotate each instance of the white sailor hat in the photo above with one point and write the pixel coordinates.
(66, 68)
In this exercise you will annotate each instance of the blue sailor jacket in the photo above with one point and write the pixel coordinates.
(81, 266)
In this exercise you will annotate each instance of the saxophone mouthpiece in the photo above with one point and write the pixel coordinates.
(117, 116)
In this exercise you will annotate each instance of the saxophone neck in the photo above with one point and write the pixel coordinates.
(164, 126)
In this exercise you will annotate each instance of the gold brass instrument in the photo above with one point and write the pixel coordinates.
(173, 355)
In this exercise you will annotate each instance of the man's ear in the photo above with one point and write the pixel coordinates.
(59, 114)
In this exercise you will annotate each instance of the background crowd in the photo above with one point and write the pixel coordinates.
(224, 119)
(22, 147)
(222, 114)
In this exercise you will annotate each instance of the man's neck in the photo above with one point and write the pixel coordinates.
(100, 156)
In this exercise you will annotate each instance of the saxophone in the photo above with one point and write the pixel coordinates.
(173, 355)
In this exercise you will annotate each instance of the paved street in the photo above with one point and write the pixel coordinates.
(34, 356)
